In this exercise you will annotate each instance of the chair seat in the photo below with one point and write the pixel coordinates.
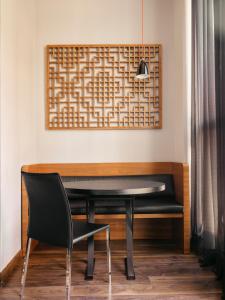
(144, 205)
(85, 229)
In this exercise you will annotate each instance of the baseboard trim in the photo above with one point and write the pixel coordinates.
(5, 273)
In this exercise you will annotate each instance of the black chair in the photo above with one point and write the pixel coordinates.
(50, 221)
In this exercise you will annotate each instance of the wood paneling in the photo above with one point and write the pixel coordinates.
(143, 229)
(24, 216)
(181, 178)
(25, 219)
(104, 169)
(136, 216)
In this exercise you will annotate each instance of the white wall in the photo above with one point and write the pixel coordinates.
(27, 26)
(17, 127)
(117, 21)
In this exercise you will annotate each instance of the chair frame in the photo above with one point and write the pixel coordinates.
(68, 263)
(68, 260)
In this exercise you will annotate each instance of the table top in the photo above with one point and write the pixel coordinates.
(114, 186)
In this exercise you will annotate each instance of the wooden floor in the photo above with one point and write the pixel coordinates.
(161, 273)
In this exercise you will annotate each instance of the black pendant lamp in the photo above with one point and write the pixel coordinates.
(142, 71)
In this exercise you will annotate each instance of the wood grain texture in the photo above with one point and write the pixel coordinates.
(6, 272)
(136, 216)
(104, 169)
(94, 87)
(181, 179)
(25, 220)
(143, 229)
(161, 273)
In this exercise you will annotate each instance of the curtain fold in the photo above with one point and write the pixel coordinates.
(208, 131)
(204, 146)
(220, 107)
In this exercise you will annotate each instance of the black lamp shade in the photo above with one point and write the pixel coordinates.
(142, 72)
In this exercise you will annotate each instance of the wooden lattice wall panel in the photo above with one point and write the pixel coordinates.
(94, 87)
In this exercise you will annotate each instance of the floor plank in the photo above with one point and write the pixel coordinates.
(162, 272)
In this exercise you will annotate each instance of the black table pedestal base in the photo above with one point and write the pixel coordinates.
(129, 267)
(125, 187)
(129, 270)
(91, 261)
(89, 272)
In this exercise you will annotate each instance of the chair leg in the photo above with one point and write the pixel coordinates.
(25, 266)
(108, 253)
(68, 273)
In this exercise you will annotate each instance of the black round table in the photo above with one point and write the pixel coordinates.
(119, 186)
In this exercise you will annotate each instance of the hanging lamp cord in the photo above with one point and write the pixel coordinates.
(142, 27)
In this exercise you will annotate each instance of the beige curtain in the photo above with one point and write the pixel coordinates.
(208, 132)
(204, 142)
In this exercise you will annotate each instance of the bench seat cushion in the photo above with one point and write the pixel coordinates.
(141, 206)
(161, 202)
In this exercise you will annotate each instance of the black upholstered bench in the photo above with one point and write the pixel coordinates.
(164, 215)
(157, 203)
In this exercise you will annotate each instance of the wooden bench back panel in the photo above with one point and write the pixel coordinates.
(102, 169)
(179, 171)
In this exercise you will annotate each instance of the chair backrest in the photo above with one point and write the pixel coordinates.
(49, 210)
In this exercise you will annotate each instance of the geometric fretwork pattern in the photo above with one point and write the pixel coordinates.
(94, 87)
